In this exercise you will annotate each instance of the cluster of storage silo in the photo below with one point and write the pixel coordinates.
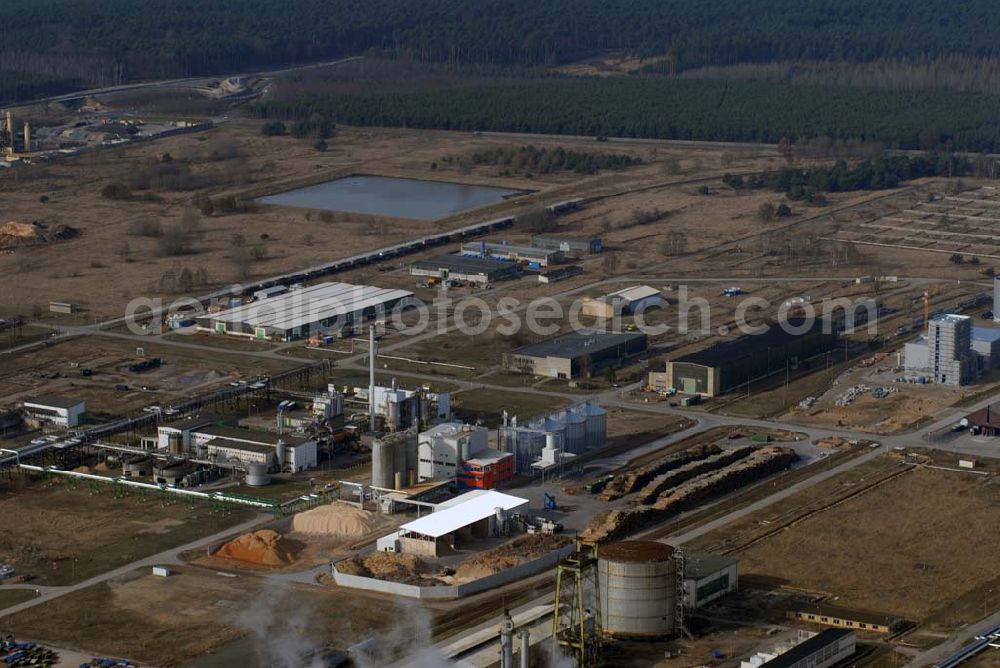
(394, 460)
(595, 423)
(572, 430)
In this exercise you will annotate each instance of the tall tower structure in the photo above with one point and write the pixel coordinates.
(7, 135)
(996, 299)
(949, 349)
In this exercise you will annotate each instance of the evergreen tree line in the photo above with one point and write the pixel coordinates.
(109, 41)
(887, 172)
(542, 160)
(21, 85)
(672, 109)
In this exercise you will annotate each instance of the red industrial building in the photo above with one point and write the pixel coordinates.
(489, 469)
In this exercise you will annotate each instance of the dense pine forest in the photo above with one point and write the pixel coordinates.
(104, 42)
(673, 109)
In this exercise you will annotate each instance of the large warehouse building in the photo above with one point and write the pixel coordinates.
(479, 271)
(320, 308)
(585, 353)
(726, 366)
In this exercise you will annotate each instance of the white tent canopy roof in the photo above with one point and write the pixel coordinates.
(453, 518)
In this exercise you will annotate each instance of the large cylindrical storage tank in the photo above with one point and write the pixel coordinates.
(574, 431)
(526, 444)
(638, 589)
(257, 475)
(383, 464)
(596, 424)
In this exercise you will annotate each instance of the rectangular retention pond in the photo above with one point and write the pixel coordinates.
(392, 197)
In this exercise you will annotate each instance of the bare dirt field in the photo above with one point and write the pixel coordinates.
(887, 537)
(960, 221)
(39, 537)
(56, 369)
(907, 404)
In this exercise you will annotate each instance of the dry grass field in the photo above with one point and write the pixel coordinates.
(39, 537)
(913, 542)
(109, 262)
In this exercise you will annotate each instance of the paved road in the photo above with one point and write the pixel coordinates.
(955, 642)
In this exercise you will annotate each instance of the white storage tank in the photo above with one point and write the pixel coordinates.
(638, 589)
(596, 423)
(257, 475)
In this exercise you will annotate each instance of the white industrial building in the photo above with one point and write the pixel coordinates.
(708, 577)
(321, 308)
(462, 520)
(635, 299)
(55, 410)
(248, 446)
(442, 449)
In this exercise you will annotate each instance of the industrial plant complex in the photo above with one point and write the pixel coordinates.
(279, 391)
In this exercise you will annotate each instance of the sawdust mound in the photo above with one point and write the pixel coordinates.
(264, 548)
(514, 553)
(406, 568)
(335, 519)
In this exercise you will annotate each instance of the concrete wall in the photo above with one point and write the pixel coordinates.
(506, 576)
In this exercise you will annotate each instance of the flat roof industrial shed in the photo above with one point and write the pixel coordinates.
(567, 244)
(823, 649)
(465, 268)
(540, 257)
(578, 353)
(324, 307)
(731, 364)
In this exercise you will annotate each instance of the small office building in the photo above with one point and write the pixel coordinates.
(708, 577)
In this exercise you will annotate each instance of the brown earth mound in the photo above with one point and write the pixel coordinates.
(15, 234)
(263, 548)
(335, 519)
